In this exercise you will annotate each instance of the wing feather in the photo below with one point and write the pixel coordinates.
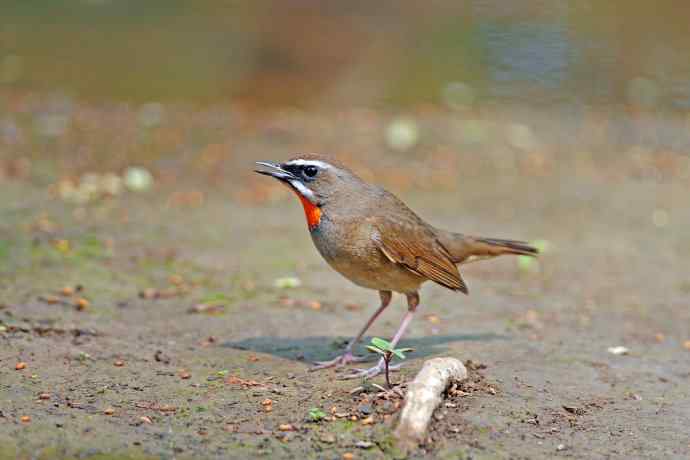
(421, 253)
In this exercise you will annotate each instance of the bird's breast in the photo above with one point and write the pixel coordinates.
(348, 247)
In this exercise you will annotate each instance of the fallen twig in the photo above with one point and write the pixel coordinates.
(424, 396)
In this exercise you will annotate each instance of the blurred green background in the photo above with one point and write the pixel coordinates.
(309, 53)
(209, 86)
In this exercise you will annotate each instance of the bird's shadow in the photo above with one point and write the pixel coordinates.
(321, 348)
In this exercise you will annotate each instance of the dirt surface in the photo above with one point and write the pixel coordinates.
(182, 347)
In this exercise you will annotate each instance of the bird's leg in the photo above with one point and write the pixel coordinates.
(348, 357)
(412, 303)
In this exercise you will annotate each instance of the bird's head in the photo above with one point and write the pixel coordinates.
(316, 180)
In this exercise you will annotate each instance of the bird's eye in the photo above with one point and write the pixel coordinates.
(310, 171)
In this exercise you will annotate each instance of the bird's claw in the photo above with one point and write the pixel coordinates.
(340, 361)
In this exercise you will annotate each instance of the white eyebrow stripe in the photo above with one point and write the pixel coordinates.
(317, 163)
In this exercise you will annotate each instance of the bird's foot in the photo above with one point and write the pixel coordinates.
(342, 360)
(372, 371)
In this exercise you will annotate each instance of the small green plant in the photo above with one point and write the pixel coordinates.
(316, 414)
(387, 351)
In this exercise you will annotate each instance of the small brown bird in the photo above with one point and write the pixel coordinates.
(373, 239)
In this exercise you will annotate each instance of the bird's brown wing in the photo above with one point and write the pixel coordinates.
(417, 249)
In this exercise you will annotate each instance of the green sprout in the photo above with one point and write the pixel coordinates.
(316, 414)
(387, 351)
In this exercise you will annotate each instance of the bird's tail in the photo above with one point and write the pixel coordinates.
(464, 248)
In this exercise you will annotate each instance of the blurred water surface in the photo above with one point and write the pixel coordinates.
(309, 52)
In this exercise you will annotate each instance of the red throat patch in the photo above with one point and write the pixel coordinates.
(311, 212)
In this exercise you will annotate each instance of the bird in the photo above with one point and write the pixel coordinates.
(376, 241)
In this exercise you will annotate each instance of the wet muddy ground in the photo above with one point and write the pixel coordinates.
(149, 324)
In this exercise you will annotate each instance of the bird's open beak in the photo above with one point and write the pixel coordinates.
(289, 179)
(275, 170)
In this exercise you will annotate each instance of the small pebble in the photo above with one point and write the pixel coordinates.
(149, 293)
(109, 411)
(365, 409)
(368, 421)
(268, 405)
(44, 396)
(348, 456)
(175, 280)
(145, 419)
(327, 438)
(20, 365)
(286, 427)
(50, 299)
(138, 179)
(387, 407)
(81, 304)
(364, 444)
(185, 375)
(119, 363)
(161, 357)
(25, 418)
(619, 350)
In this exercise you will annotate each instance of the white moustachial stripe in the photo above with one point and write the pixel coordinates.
(304, 190)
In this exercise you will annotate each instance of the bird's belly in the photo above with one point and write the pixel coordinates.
(392, 278)
(360, 261)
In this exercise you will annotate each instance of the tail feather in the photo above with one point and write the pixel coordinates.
(511, 246)
(464, 249)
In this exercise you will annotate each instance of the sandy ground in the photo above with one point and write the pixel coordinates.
(139, 373)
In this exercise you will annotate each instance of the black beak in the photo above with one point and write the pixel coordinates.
(275, 170)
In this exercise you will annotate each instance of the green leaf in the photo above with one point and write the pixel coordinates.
(215, 298)
(373, 349)
(381, 344)
(398, 353)
(316, 414)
